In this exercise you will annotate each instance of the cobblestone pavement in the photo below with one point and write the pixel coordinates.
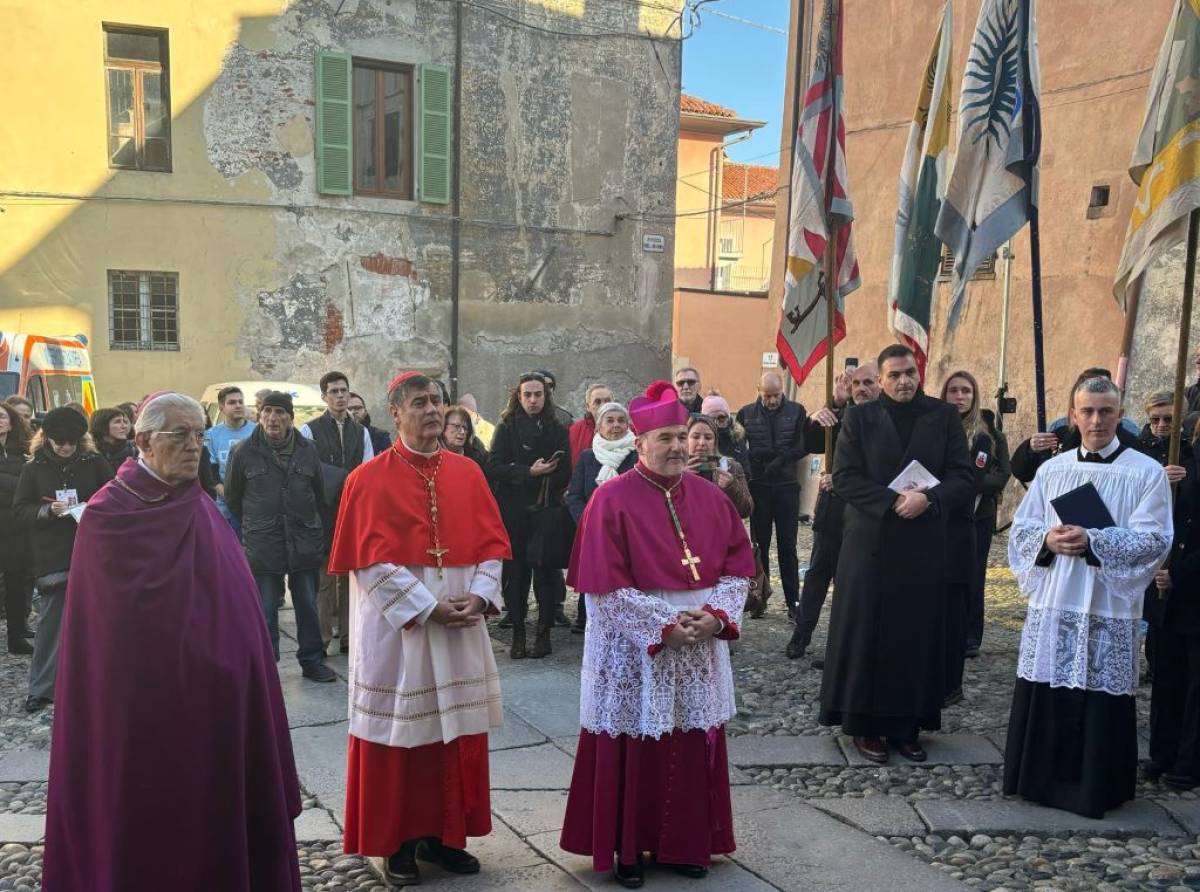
(1155, 847)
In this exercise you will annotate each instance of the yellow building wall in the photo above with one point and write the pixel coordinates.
(693, 234)
(66, 220)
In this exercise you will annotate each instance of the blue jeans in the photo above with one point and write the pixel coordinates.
(228, 515)
(303, 585)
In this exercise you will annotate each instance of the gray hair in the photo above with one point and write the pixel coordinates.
(1096, 385)
(153, 417)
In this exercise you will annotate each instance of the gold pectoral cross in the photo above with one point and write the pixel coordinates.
(437, 556)
(690, 560)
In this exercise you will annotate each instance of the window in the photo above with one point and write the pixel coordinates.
(139, 107)
(986, 270)
(143, 310)
(383, 116)
(1097, 202)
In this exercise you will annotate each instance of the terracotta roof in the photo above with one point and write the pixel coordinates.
(742, 181)
(698, 106)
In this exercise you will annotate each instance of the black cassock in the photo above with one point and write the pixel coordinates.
(884, 660)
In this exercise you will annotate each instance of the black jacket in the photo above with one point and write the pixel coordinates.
(280, 508)
(116, 456)
(54, 537)
(14, 537)
(1159, 448)
(990, 447)
(1025, 461)
(777, 441)
(583, 479)
(1181, 609)
(381, 441)
(518, 442)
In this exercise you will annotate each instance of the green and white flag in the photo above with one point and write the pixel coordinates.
(917, 251)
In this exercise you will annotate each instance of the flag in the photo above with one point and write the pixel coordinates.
(1166, 160)
(917, 253)
(820, 200)
(993, 187)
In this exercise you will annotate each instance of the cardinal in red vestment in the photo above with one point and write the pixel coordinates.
(421, 537)
(664, 562)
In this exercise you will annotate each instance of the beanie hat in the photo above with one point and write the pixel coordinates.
(280, 400)
(610, 407)
(658, 407)
(64, 425)
(714, 403)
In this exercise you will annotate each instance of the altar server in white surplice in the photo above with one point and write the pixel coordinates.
(1072, 733)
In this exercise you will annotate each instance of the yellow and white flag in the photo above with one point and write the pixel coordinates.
(1166, 161)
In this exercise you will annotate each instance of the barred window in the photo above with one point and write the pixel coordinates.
(986, 270)
(143, 310)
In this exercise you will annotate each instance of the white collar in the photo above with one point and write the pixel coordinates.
(1113, 445)
(149, 470)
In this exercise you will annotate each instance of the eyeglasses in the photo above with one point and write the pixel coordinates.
(1161, 419)
(720, 417)
(455, 426)
(181, 435)
(687, 382)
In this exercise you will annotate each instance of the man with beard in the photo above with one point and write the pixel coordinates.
(884, 665)
(858, 387)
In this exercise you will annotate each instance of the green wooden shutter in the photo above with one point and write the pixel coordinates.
(334, 72)
(433, 115)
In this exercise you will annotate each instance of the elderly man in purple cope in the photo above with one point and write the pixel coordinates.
(171, 765)
(664, 562)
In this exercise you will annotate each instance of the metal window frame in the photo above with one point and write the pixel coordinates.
(986, 270)
(145, 312)
(378, 66)
(138, 67)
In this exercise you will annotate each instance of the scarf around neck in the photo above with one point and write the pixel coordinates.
(610, 454)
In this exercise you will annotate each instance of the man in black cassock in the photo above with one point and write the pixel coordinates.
(884, 667)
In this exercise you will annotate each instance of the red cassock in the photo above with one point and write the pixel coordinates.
(439, 789)
(655, 783)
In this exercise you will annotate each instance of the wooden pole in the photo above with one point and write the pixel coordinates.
(1185, 324)
(830, 259)
(1039, 359)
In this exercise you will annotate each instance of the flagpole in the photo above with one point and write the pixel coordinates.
(1002, 371)
(1185, 324)
(1039, 359)
(831, 265)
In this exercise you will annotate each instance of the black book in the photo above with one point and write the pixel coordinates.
(1083, 507)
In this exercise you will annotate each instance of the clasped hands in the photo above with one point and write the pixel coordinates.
(911, 504)
(1068, 540)
(458, 612)
(692, 627)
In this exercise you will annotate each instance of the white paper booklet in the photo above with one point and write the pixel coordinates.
(915, 476)
(76, 511)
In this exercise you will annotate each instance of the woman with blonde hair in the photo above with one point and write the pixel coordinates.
(970, 530)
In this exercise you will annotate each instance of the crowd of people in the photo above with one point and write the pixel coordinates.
(662, 512)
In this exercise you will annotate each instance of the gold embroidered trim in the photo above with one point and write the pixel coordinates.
(404, 593)
(420, 716)
(382, 579)
(432, 689)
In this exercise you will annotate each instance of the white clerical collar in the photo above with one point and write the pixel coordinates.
(418, 451)
(1113, 445)
(149, 470)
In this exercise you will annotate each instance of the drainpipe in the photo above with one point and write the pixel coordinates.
(718, 199)
(455, 202)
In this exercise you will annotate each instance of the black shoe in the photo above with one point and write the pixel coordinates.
(630, 876)
(909, 749)
(401, 868)
(691, 871)
(1179, 781)
(344, 647)
(817, 663)
(319, 672)
(29, 633)
(794, 650)
(20, 646)
(1151, 770)
(560, 619)
(953, 698)
(972, 650)
(36, 704)
(450, 860)
(504, 622)
(792, 613)
(578, 629)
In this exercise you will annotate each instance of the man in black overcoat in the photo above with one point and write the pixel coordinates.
(884, 664)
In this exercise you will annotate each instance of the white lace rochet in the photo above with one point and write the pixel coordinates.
(625, 690)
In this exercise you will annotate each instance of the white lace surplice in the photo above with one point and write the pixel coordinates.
(1081, 627)
(414, 682)
(625, 690)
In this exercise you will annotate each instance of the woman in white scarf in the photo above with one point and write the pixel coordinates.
(613, 441)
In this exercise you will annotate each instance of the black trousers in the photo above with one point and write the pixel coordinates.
(957, 595)
(1175, 703)
(18, 591)
(547, 584)
(777, 508)
(985, 529)
(821, 566)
